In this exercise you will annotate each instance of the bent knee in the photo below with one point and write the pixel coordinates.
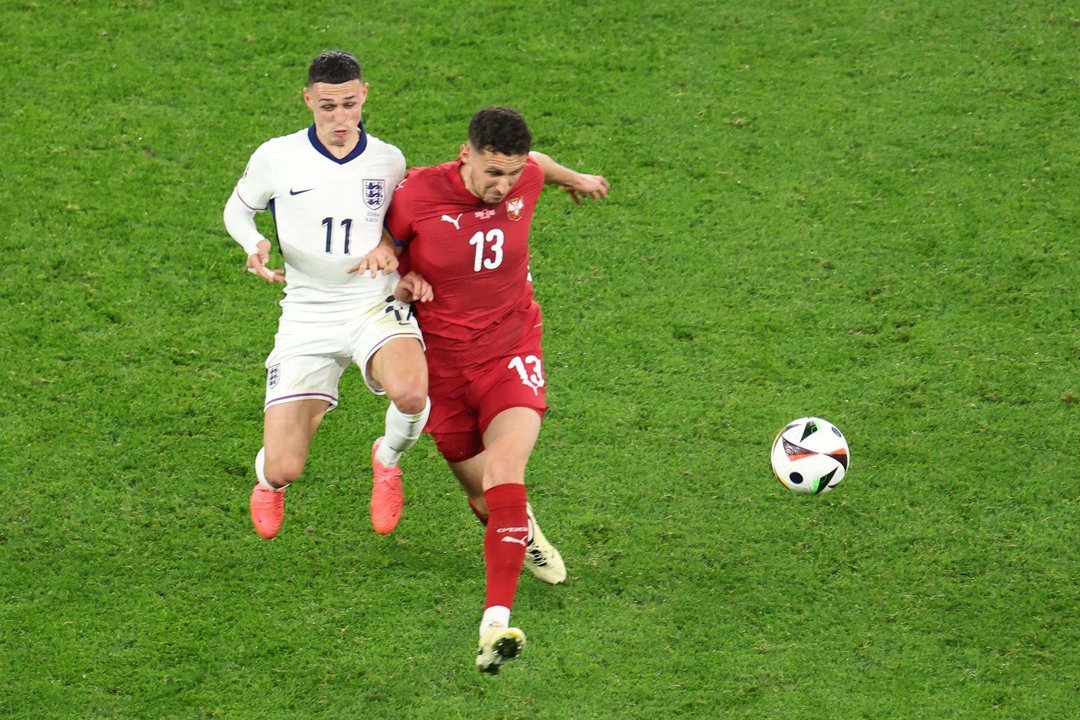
(410, 398)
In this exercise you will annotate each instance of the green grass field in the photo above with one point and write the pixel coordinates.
(817, 208)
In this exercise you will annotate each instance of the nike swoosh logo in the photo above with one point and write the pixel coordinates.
(299, 192)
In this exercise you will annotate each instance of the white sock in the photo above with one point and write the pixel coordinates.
(402, 432)
(260, 466)
(495, 615)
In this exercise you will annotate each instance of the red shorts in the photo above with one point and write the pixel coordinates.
(466, 398)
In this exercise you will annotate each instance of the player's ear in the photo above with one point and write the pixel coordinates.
(307, 97)
(463, 156)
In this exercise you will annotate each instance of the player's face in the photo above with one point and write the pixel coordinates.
(337, 111)
(488, 175)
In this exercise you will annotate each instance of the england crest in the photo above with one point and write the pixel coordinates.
(374, 193)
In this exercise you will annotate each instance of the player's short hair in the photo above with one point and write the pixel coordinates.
(500, 129)
(333, 67)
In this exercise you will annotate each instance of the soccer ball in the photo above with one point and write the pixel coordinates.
(810, 455)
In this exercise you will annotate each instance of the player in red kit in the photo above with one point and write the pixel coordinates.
(465, 226)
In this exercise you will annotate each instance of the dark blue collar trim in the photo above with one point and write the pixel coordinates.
(357, 151)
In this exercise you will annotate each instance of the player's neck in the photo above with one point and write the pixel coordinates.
(340, 148)
(465, 180)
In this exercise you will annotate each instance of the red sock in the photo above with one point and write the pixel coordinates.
(504, 542)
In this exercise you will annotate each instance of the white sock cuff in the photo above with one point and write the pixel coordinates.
(495, 615)
(260, 465)
(402, 432)
(420, 417)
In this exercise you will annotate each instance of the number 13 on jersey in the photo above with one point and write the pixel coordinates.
(489, 249)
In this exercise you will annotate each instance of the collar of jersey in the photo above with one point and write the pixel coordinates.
(357, 151)
(453, 172)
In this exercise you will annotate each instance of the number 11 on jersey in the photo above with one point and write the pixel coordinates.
(346, 225)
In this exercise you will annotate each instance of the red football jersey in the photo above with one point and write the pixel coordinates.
(475, 255)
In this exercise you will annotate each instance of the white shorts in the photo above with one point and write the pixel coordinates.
(309, 357)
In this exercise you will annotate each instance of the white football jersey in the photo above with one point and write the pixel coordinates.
(328, 213)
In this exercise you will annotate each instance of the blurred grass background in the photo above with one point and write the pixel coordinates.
(860, 213)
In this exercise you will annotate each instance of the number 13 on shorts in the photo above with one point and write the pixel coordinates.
(531, 371)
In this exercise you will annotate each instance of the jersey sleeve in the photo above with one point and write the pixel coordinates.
(398, 170)
(255, 188)
(251, 195)
(240, 224)
(399, 217)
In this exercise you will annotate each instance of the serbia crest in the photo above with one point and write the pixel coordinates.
(515, 208)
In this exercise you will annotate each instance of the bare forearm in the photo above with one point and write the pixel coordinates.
(577, 185)
(554, 173)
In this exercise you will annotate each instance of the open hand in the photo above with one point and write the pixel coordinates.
(256, 264)
(381, 259)
(413, 288)
(594, 186)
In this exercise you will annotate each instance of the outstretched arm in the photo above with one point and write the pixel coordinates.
(577, 185)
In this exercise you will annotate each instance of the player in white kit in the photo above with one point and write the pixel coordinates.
(328, 188)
